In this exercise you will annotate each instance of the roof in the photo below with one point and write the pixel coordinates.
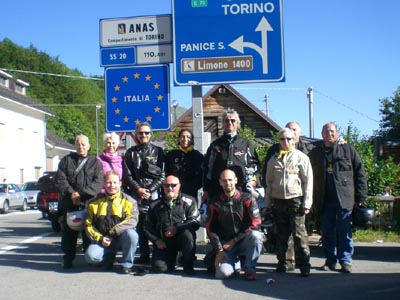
(11, 95)
(215, 89)
(54, 141)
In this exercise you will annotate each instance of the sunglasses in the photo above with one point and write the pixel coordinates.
(286, 139)
(230, 121)
(170, 185)
(144, 132)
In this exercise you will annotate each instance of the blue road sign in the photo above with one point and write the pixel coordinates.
(227, 41)
(135, 95)
(117, 56)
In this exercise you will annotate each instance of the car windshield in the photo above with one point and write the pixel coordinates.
(30, 186)
(3, 188)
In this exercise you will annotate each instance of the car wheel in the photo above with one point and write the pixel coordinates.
(24, 206)
(6, 207)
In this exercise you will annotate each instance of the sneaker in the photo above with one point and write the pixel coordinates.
(346, 268)
(250, 276)
(305, 271)
(327, 267)
(281, 268)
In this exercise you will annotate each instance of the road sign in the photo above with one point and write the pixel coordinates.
(227, 42)
(135, 95)
(135, 31)
(117, 56)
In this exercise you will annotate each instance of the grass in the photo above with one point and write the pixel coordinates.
(373, 235)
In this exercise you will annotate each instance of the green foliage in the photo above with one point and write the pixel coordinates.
(390, 116)
(371, 235)
(380, 173)
(72, 100)
(171, 140)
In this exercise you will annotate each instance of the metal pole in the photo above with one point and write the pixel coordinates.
(310, 96)
(198, 124)
(97, 129)
(266, 99)
(174, 105)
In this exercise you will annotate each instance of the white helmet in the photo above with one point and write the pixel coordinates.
(76, 219)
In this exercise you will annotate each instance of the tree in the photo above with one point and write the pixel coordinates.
(390, 113)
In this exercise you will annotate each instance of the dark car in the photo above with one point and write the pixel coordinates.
(48, 199)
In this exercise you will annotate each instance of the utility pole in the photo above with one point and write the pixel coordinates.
(266, 99)
(310, 97)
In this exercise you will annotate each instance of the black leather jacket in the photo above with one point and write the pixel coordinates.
(183, 215)
(348, 173)
(235, 153)
(143, 168)
(231, 218)
(188, 168)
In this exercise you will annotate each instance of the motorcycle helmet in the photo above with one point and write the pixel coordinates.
(76, 219)
(363, 216)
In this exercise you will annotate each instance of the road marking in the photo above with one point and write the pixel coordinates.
(27, 241)
(27, 212)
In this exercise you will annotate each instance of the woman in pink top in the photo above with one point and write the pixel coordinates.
(111, 159)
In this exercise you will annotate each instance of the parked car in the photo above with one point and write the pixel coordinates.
(48, 199)
(31, 190)
(11, 197)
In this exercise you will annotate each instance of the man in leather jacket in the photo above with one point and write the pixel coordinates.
(79, 178)
(230, 151)
(171, 224)
(143, 176)
(339, 184)
(233, 222)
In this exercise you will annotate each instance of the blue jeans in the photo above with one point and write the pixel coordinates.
(127, 241)
(337, 240)
(250, 247)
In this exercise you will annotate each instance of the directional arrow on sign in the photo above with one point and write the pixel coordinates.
(239, 44)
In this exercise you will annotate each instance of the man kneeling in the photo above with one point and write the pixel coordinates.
(111, 225)
(171, 225)
(233, 222)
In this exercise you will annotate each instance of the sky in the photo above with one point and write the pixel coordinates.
(347, 51)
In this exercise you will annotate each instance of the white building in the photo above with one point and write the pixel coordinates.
(25, 149)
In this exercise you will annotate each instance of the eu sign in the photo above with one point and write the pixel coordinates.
(136, 95)
(227, 41)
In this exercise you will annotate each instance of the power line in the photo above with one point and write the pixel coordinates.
(346, 106)
(238, 88)
(53, 74)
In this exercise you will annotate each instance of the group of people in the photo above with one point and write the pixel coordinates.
(151, 196)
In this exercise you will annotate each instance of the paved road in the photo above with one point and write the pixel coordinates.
(30, 269)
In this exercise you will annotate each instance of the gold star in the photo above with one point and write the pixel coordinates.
(126, 119)
(160, 97)
(149, 118)
(157, 109)
(117, 111)
(117, 88)
(136, 75)
(137, 121)
(156, 86)
(148, 77)
(125, 79)
(114, 99)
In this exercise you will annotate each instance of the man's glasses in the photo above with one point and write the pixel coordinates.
(230, 121)
(144, 132)
(286, 139)
(170, 185)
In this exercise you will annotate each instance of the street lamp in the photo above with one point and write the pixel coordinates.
(97, 129)
(174, 105)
